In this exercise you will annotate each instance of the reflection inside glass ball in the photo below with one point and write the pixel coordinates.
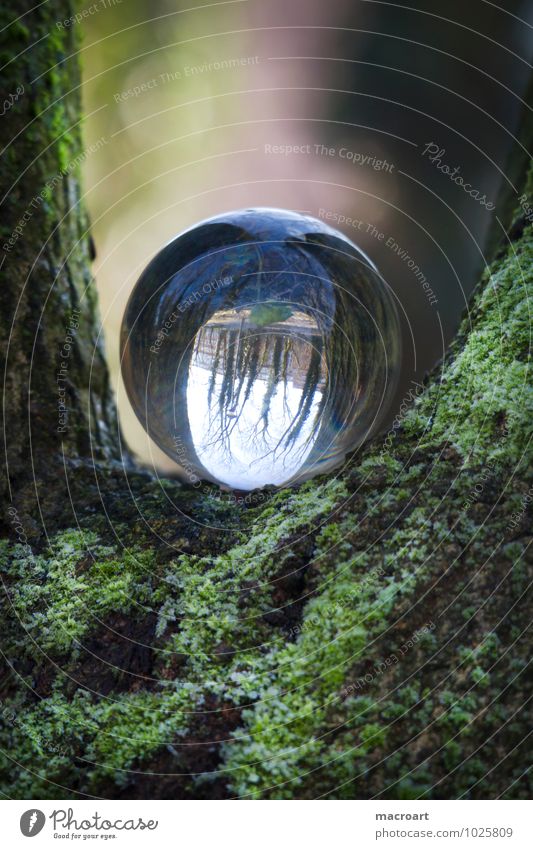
(259, 348)
(254, 395)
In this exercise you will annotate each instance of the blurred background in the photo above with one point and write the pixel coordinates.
(193, 109)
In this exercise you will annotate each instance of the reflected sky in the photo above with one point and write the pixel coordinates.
(254, 398)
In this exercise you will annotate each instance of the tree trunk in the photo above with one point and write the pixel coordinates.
(57, 399)
(363, 635)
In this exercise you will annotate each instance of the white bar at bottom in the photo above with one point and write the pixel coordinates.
(268, 825)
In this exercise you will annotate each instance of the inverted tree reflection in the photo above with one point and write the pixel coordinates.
(265, 372)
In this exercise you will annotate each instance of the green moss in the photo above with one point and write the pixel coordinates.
(57, 603)
(483, 403)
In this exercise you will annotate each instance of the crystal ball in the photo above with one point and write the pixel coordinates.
(259, 347)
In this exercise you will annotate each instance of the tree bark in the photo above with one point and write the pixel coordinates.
(363, 635)
(56, 395)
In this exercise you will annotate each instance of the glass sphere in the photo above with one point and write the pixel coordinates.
(259, 347)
